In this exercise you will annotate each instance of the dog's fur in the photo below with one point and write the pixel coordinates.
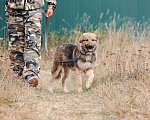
(87, 50)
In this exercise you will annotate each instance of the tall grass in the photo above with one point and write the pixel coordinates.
(120, 89)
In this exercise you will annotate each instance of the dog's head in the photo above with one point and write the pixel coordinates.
(88, 42)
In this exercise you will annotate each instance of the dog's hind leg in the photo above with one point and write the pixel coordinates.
(90, 76)
(79, 80)
(66, 75)
(51, 85)
(56, 73)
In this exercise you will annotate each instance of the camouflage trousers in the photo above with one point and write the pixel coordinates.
(24, 42)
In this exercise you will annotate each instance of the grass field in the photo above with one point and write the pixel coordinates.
(121, 87)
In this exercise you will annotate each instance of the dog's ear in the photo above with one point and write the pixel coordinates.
(97, 38)
(81, 38)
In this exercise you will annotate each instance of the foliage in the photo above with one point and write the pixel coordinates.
(121, 84)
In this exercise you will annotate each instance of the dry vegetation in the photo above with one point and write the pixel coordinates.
(120, 89)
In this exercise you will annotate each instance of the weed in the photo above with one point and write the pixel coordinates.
(120, 89)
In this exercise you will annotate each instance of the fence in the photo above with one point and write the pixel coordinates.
(70, 12)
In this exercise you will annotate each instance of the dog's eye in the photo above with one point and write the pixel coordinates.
(94, 40)
(85, 40)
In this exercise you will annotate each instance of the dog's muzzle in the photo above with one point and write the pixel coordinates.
(89, 48)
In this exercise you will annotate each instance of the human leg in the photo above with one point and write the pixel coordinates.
(16, 41)
(32, 51)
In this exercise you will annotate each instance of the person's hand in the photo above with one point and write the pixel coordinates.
(49, 12)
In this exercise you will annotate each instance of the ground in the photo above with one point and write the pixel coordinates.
(120, 89)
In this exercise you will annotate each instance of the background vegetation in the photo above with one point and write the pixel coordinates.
(121, 84)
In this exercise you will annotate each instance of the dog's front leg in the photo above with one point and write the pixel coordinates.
(66, 75)
(79, 80)
(90, 76)
(51, 86)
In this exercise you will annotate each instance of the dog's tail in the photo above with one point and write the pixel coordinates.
(56, 70)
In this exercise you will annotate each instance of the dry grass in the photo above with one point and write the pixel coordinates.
(120, 89)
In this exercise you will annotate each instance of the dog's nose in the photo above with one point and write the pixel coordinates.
(90, 46)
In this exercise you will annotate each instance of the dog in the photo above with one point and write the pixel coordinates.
(86, 53)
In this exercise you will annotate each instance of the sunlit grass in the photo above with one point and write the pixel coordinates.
(120, 89)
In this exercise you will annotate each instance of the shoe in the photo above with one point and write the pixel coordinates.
(32, 80)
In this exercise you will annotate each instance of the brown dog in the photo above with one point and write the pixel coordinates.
(85, 63)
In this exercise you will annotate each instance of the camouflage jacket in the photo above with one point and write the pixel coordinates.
(30, 4)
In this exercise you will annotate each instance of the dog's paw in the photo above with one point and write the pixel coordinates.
(66, 91)
(80, 90)
(88, 85)
(50, 90)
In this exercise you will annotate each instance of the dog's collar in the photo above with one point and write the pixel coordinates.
(84, 54)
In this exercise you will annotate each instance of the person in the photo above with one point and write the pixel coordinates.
(25, 38)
